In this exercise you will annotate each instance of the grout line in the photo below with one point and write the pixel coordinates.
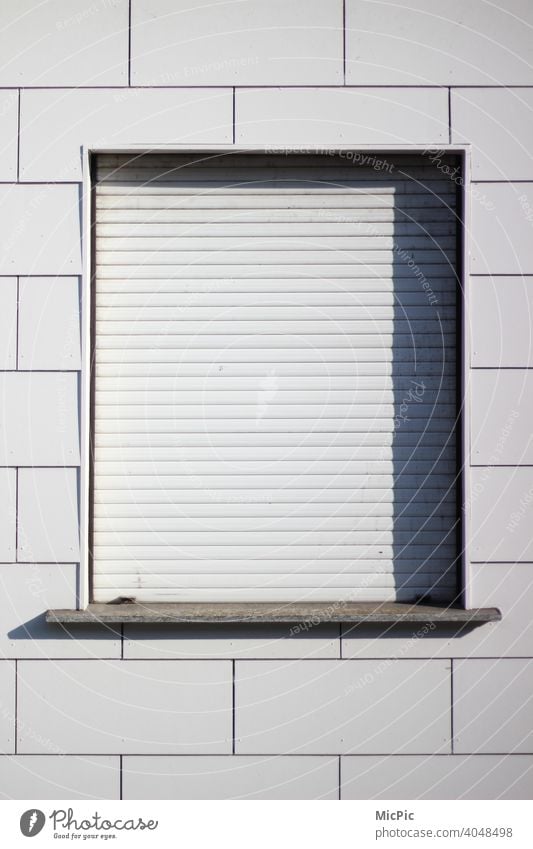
(233, 707)
(270, 755)
(449, 114)
(121, 763)
(70, 276)
(73, 275)
(129, 43)
(16, 706)
(45, 370)
(451, 709)
(58, 466)
(211, 658)
(18, 138)
(47, 563)
(233, 119)
(59, 183)
(344, 42)
(264, 86)
(243, 148)
(340, 776)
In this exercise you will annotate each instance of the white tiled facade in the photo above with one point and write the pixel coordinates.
(228, 712)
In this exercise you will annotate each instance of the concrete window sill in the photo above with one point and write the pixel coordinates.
(353, 613)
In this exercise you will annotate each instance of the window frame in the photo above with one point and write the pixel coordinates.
(463, 151)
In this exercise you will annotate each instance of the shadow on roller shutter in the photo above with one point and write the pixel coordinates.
(275, 401)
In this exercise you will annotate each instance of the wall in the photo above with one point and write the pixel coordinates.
(325, 712)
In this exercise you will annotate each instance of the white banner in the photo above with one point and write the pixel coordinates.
(268, 824)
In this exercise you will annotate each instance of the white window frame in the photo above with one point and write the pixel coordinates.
(464, 209)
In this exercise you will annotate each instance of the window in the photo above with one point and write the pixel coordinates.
(274, 408)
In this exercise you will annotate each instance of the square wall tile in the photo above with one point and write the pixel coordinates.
(9, 127)
(338, 707)
(341, 116)
(113, 707)
(501, 510)
(230, 777)
(8, 322)
(441, 777)
(501, 239)
(48, 516)
(8, 515)
(493, 705)
(49, 323)
(64, 42)
(175, 42)
(7, 706)
(501, 321)
(498, 123)
(501, 407)
(421, 43)
(41, 229)
(40, 420)
(59, 777)
(55, 124)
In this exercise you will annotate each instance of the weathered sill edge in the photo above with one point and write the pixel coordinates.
(290, 613)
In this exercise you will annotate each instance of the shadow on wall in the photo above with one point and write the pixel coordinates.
(424, 362)
(38, 629)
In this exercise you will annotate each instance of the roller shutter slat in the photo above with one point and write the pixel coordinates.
(362, 593)
(400, 498)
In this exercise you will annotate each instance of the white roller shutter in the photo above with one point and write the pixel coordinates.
(274, 390)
